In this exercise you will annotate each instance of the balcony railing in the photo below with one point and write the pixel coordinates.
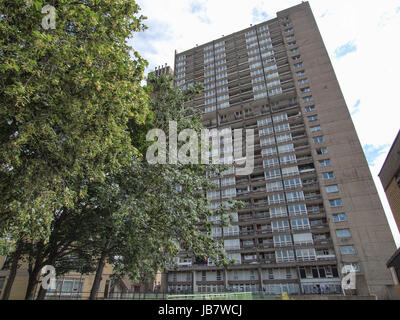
(269, 244)
(307, 259)
(326, 257)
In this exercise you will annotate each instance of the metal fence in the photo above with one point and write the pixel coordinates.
(164, 296)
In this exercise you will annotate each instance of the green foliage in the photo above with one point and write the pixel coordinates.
(66, 97)
(74, 184)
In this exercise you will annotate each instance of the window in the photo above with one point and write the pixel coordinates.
(284, 138)
(291, 171)
(271, 163)
(307, 99)
(298, 65)
(270, 68)
(273, 174)
(285, 256)
(282, 128)
(315, 129)
(341, 217)
(260, 87)
(212, 195)
(298, 210)
(280, 118)
(273, 83)
(303, 239)
(300, 73)
(306, 255)
(68, 286)
(300, 224)
(344, 233)
(264, 122)
(286, 148)
(295, 196)
(289, 159)
(303, 81)
(228, 181)
(310, 109)
(228, 193)
(305, 90)
(321, 151)
(347, 250)
(336, 203)
(267, 142)
(278, 212)
(312, 118)
(276, 199)
(328, 176)
(332, 189)
(283, 240)
(268, 152)
(231, 231)
(274, 186)
(293, 184)
(272, 75)
(325, 163)
(320, 139)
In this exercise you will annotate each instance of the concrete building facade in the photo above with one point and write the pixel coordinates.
(311, 206)
(390, 178)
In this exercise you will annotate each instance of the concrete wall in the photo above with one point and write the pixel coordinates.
(369, 227)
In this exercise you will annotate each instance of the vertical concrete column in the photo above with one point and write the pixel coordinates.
(260, 278)
(195, 288)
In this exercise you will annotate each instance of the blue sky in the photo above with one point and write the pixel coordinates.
(345, 49)
(361, 38)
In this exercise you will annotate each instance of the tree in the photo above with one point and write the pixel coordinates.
(165, 208)
(66, 97)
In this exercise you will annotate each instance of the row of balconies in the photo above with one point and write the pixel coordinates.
(266, 245)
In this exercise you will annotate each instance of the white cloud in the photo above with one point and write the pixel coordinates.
(368, 74)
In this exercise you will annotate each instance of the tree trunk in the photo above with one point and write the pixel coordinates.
(99, 271)
(42, 294)
(13, 271)
(33, 281)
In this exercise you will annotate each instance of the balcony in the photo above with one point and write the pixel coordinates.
(264, 231)
(282, 229)
(246, 232)
(266, 244)
(304, 243)
(245, 218)
(326, 257)
(261, 216)
(261, 204)
(307, 259)
(312, 197)
(283, 244)
(301, 228)
(247, 245)
(232, 248)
